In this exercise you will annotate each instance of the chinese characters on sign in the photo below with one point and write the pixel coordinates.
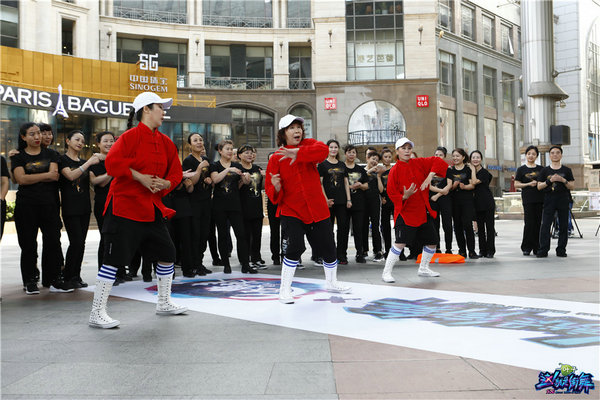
(422, 100)
(331, 103)
(146, 83)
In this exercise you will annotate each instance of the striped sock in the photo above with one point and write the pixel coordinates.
(107, 273)
(164, 270)
(426, 256)
(330, 265)
(396, 250)
(290, 263)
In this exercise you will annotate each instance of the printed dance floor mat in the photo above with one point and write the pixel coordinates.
(526, 332)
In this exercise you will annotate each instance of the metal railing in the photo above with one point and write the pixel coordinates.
(298, 22)
(150, 15)
(375, 136)
(237, 21)
(300, 84)
(239, 83)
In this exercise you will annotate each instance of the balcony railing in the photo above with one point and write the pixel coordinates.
(150, 15)
(239, 83)
(237, 21)
(375, 136)
(298, 22)
(300, 84)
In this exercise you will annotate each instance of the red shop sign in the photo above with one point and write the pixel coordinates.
(331, 103)
(422, 100)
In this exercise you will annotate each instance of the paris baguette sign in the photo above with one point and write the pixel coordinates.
(63, 104)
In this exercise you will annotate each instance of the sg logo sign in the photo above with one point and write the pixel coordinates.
(148, 62)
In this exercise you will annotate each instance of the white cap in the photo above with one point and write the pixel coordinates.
(288, 119)
(146, 98)
(402, 141)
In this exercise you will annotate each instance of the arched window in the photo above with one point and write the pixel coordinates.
(593, 79)
(301, 111)
(251, 126)
(376, 122)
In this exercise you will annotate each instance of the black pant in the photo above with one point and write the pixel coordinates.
(77, 228)
(554, 204)
(200, 230)
(28, 219)
(387, 213)
(182, 230)
(357, 217)
(224, 218)
(212, 239)
(146, 264)
(2, 216)
(339, 212)
(444, 213)
(486, 232)
(372, 215)
(319, 235)
(532, 215)
(274, 227)
(253, 233)
(462, 215)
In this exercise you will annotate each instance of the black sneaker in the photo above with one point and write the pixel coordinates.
(561, 254)
(31, 288)
(541, 255)
(147, 278)
(473, 256)
(77, 283)
(61, 287)
(276, 261)
(200, 271)
(361, 260)
(189, 274)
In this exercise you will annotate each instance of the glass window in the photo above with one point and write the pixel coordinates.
(376, 122)
(508, 136)
(519, 44)
(489, 86)
(446, 74)
(467, 19)
(469, 80)
(507, 92)
(489, 126)
(507, 46)
(300, 68)
(241, 13)
(593, 91)
(169, 11)
(68, 26)
(470, 129)
(251, 126)
(447, 128)
(305, 113)
(445, 14)
(9, 24)
(298, 14)
(488, 30)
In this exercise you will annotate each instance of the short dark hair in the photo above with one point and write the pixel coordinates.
(349, 147)
(244, 148)
(99, 135)
(45, 127)
(442, 149)
(532, 147)
(555, 147)
(462, 152)
(373, 153)
(281, 140)
(189, 138)
(476, 151)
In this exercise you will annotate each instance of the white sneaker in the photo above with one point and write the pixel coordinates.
(337, 287)
(425, 271)
(387, 278)
(286, 297)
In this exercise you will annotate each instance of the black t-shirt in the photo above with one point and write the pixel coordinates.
(557, 189)
(75, 195)
(226, 194)
(384, 181)
(100, 192)
(484, 199)
(180, 202)
(530, 194)
(333, 180)
(463, 176)
(357, 174)
(202, 191)
(4, 167)
(439, 183)
(43, 193)
(372, 192)
(251, 194)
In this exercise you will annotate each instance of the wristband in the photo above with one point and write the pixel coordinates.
(82, 170)
(348, 201)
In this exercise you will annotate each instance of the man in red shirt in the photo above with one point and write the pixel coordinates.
(408, 188)
(294, 185)
(145, 167)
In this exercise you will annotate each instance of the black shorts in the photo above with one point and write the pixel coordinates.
(123, 237)
(319, 235)
(408, 235)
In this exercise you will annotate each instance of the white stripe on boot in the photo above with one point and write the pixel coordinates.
(391, 259)
(164, 306)
(425, 260)
(332, 283)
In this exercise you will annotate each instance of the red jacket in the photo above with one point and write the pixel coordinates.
(301, 195)
(402, 175)
(148, 152)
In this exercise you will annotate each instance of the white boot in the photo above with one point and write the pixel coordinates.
(98, 317)
(391, 259)
(164, 305)
(426, 256)
(332, 284)
(285, 288)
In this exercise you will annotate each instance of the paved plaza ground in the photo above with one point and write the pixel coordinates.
(49, 352)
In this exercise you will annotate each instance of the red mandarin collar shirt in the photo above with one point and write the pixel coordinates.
(148, 152)
(301, 195)
(402, 175)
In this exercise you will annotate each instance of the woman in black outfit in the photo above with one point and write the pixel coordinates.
(35, 169)
(526, 179)
(74, 183)
(485, 207)
(357, 181)
(3, 191)
(373, 206)
(387, 207)
(463, 176)
(442, 203)
(334, 180)
(199, 199)
(228, 177)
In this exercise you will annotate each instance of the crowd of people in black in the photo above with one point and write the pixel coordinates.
(214, 198)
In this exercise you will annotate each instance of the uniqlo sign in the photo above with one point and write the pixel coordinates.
(422, 100)
(331, 103)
